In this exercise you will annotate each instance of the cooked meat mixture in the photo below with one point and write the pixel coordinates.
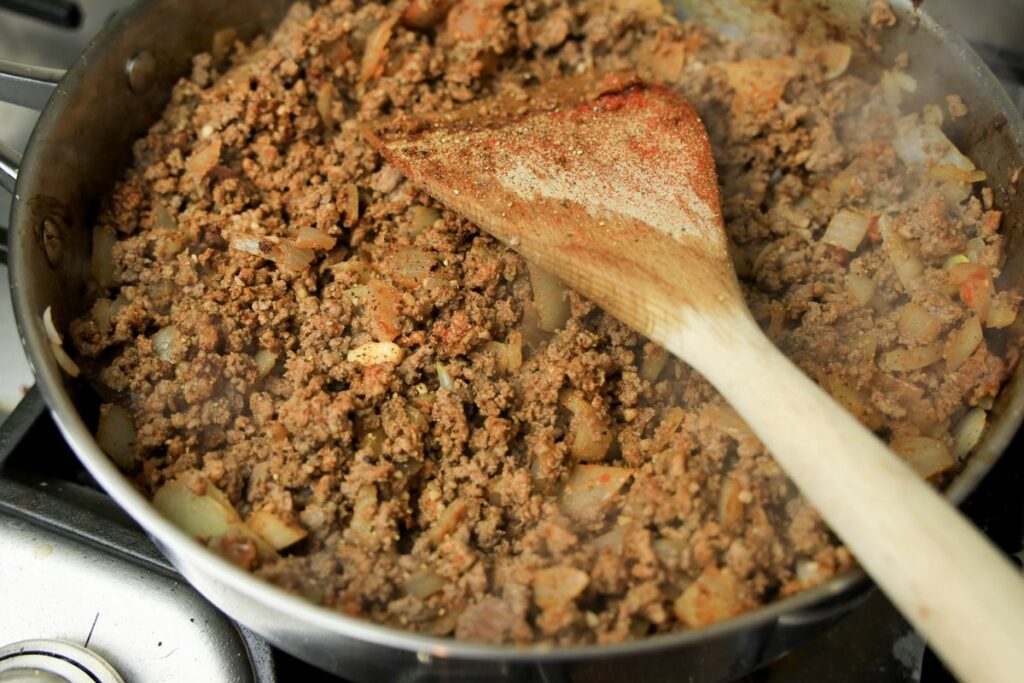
(355, 394)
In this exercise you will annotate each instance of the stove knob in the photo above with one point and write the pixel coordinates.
(53, 661)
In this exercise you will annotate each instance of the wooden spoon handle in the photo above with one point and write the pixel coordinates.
(947, 579)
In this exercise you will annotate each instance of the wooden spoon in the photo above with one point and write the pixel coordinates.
(611, 184)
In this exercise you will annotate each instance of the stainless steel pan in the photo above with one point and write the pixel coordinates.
(81, 144)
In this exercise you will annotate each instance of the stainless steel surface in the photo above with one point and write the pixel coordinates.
(44, 660)
(150, 627)
(81, 143)
(26, 85)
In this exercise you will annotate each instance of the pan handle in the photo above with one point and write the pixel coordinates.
(25, 86)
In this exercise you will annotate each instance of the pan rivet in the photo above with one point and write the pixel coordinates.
(141, 68)
(53, 241)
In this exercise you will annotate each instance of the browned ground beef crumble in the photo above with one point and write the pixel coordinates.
(442, 493)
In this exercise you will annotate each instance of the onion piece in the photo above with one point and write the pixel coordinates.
(836, 57)
(421, 218)
(444, 380)
(894, 84)
(732, 510)
(592, 434)
(655, 360)
(862, 288)
(311, 238)
(376, 353)
(558, 586)
(251, 245)
(549, 296)
(424, 583)
(449, 520)
(963, 343)
(909, 360)
(853, 401)
(65, 362)
(926, 455)
(51, 330)
(265, 362)
(917, 325)
(376, 44)
(1002, 312)
(968, 431)
(351, 205)
(918, 143)
(846, 230)
(162, 341)
(591, 489)
(290, 257)
(274, 530)
(325, 104)
(906, 263)
(715, 595)
(116, 435)
(611, 540)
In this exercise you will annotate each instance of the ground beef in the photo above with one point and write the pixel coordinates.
(403, 422)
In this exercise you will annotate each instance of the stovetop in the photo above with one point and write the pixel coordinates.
(73, 566)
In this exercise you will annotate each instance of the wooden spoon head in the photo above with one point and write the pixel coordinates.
(609, 183)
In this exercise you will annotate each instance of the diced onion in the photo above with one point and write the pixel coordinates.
(894, 84)
(116, 435)
(311, 238)
(963, 343)
(846, 229)
(325, 105)
(376, 353)
(51, 330)
(291, 257)
(968, 431)
(716, 595)
(250, 245)
(424, 583)
(444, 380)
(549, 299)
(265, 362)
(592, 434)
(556, 586)
(611, 540)
(1001, 313)
(655, 360)
(852, 400)
(917, 325)
(449, 520)
(162, 341)
(422, 217)
(906, 263)
(351, 204)
(64, 361)
(274, 530)
(836, 57)
(591, 489)
(908, 360)
(919, 143)
(926, 455)
(863, 288)
(376, 44)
